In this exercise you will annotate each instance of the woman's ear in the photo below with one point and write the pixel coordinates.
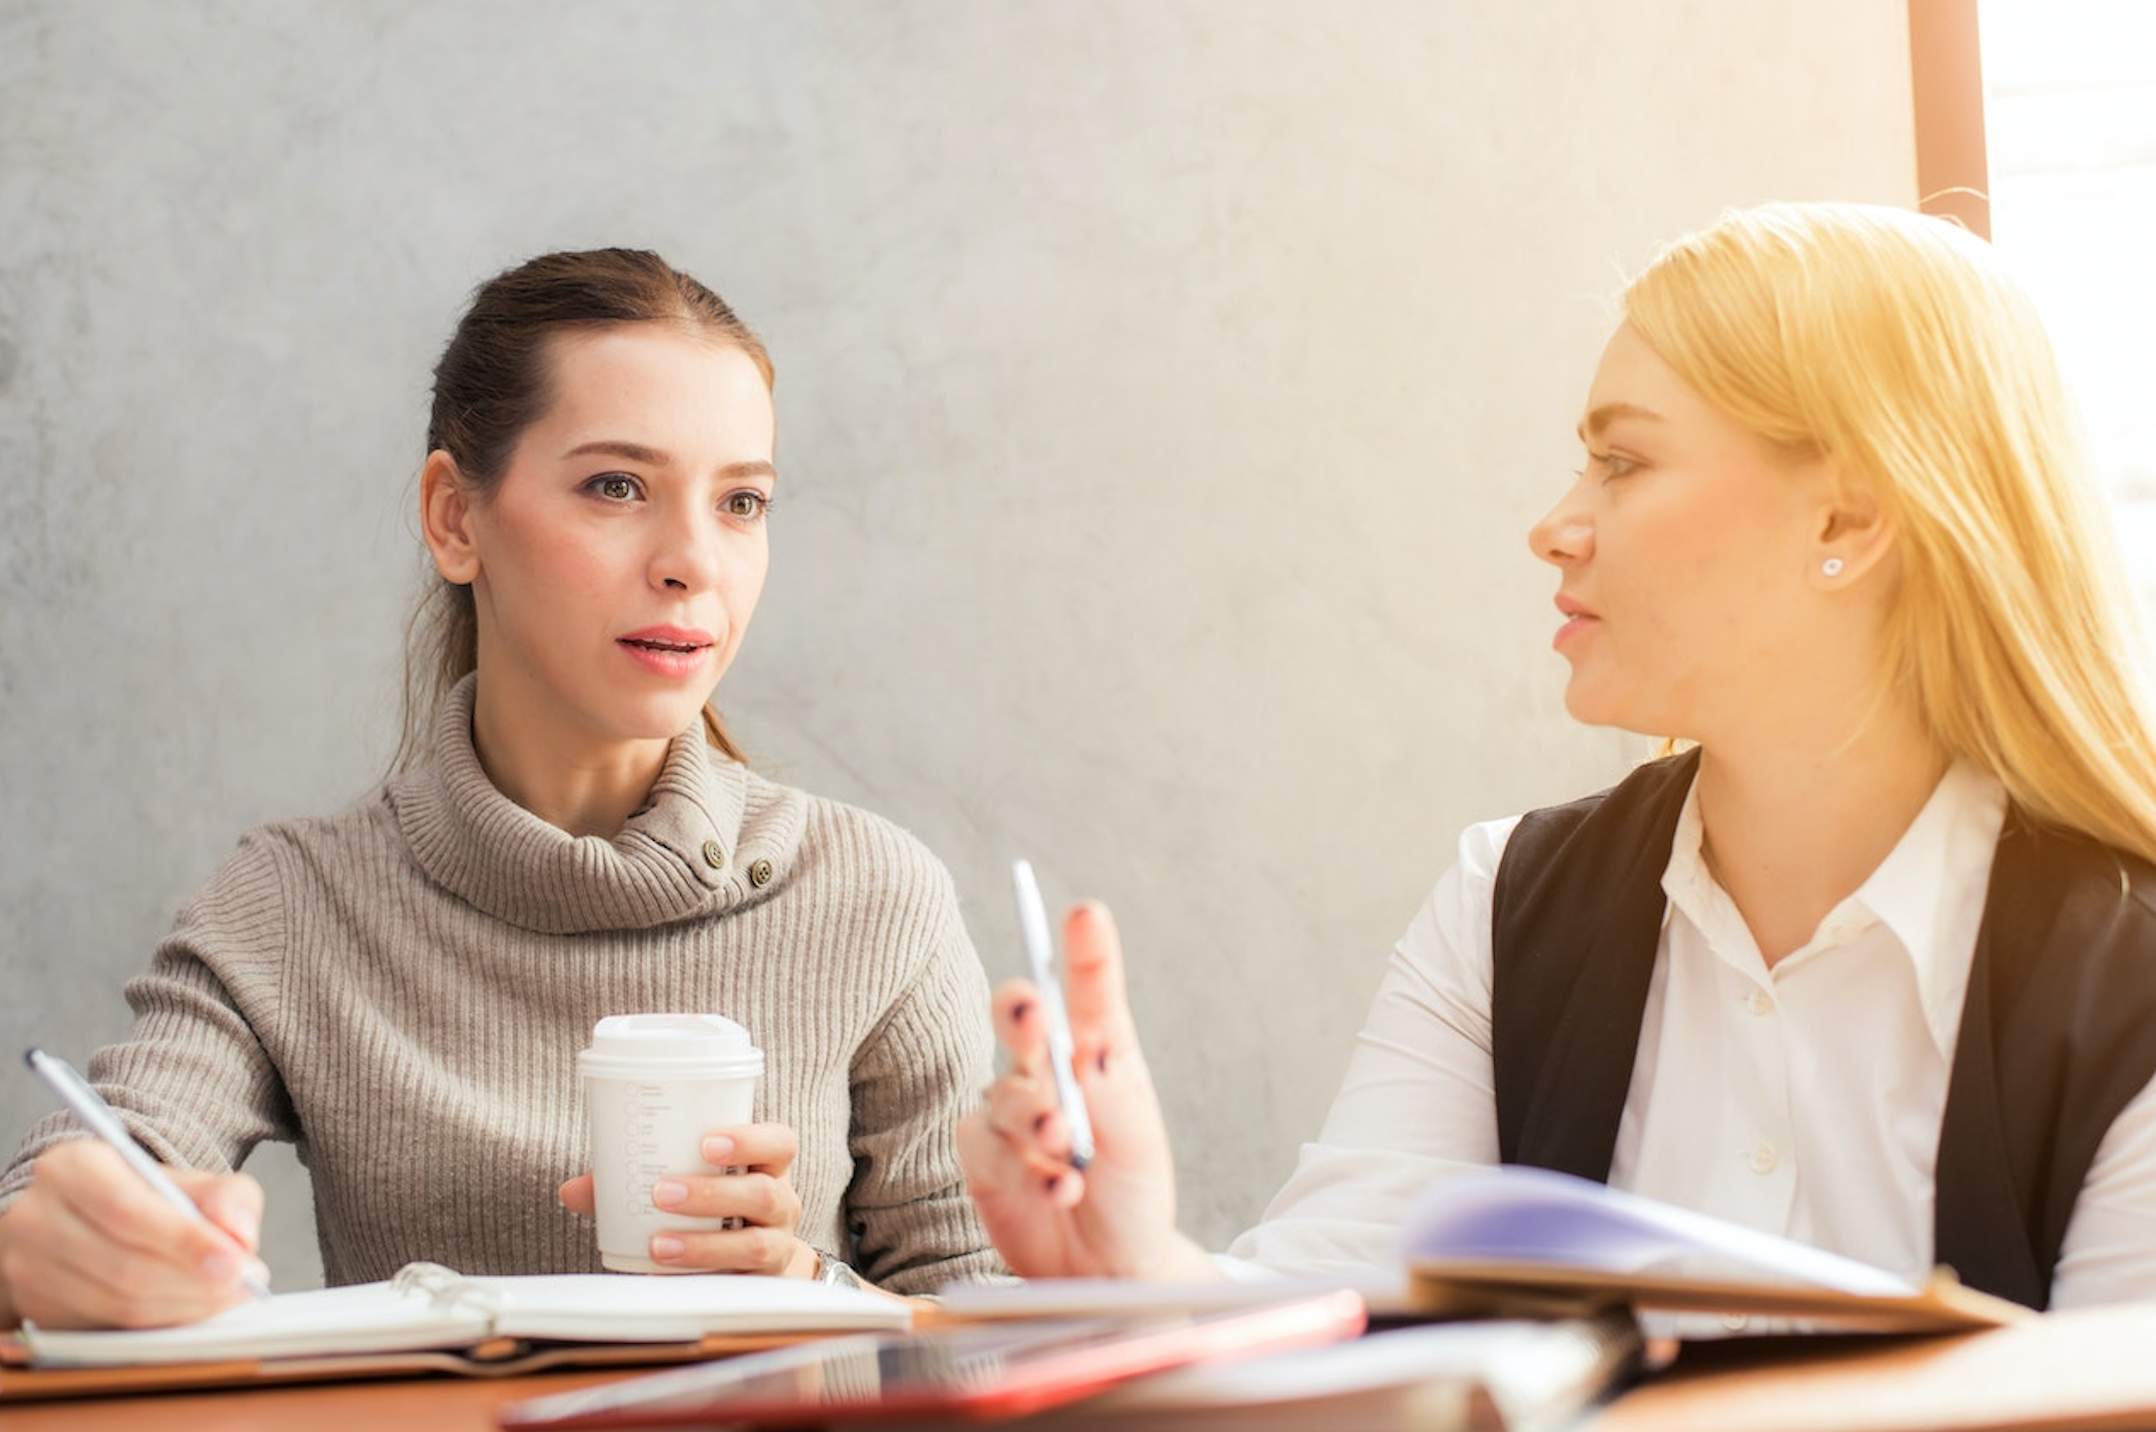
(445, 519)
(1853, 534)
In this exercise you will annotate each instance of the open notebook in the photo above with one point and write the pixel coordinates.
(1527, 1240)
(427, 1306)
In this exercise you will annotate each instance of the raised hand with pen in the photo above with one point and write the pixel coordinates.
(1050, 1219)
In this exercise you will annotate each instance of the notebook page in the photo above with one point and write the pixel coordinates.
(640, 1307)
(1529, 1215)
(365, 1317)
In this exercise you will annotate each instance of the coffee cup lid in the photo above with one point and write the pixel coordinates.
(671, 1045)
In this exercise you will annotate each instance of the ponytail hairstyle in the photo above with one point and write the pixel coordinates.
(493, 382)
(1896, 346)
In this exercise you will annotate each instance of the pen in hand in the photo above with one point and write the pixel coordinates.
(1040, 956)
(97, 1116)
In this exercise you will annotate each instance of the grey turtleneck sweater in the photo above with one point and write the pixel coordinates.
(401, 991)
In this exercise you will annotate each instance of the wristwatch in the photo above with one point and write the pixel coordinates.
(830, 1271)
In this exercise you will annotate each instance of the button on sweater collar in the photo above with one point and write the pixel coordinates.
(494, 854)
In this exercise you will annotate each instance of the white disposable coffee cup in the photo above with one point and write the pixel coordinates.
(654, 1085)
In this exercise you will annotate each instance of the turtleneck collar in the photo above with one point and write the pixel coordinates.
(702, 842)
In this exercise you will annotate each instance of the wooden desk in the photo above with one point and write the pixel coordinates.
(2086, 1369)
(427, 1404)
(2090, 1369)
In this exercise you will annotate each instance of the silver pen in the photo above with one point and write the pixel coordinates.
(1040, 954)
(96, 1115)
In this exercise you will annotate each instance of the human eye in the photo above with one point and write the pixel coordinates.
(614, 487)
(747, 504)
(1613, 465)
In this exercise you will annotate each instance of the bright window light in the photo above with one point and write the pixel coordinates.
(2070, 127)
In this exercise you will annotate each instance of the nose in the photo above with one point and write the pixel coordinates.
(1565, 537)
(688, 556)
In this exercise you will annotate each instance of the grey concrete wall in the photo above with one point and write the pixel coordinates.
(1164, 391)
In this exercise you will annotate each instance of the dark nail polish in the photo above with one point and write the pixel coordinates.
(1018, 1011)
(1053, 1182)
(1040, 1122)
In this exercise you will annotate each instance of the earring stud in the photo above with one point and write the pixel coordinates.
(1832, 566)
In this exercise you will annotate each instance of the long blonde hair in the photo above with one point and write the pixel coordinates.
(1896, 346)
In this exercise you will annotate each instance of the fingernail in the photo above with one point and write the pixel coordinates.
(717, 1147)
(260, 1270)
(1053, 1182)
(1100, 1062)
(1040, 1122)
(1019, 1011)
(667, 1192)
(665, 1247)
(221, 1266)
(247, 1224)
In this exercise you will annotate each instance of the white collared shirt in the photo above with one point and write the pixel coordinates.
(1803, 1100)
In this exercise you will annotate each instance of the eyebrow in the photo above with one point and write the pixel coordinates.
(1593, 424)
(652, 457)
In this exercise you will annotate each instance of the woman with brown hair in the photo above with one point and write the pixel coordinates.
(401, 989)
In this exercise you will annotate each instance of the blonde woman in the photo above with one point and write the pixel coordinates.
(401, 988)
(1872, 963)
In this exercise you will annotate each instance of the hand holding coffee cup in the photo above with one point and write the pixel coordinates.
(756, 1209)
(682, 1181)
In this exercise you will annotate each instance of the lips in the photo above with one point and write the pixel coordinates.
(669, 651)
(1578, 618)
(668, 637)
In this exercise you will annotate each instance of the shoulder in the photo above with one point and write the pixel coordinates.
(332, 849)
(1560, 854)
(859, 856)
(1484, 845)
(879, 902)
(1447, 944)
(1482, 849)
(1648, 788)
(2045, 877)
(244, 911)
(246, 892)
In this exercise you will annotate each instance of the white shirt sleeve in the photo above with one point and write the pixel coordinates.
(2109, 1253)
(1419, 1099)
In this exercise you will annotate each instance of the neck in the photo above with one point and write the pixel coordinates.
(1796, 819)
(554, 766)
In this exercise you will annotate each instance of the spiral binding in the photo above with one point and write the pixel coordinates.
(446, 1288)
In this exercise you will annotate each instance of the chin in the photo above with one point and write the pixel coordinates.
(651, 715)
(1592, 703)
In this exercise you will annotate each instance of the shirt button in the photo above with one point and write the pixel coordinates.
(1763, 1157)
(714, 855)
(1759, 1002)
(760, 874)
